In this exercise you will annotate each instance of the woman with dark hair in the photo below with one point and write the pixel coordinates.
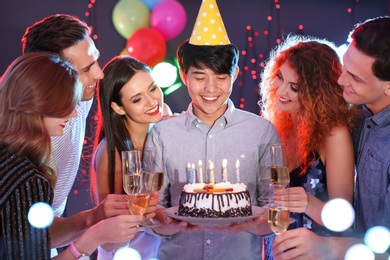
(130, 102)
(301, 97)
(38, 94)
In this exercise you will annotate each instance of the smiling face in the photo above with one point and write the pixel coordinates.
(142, 100)
(209, 92)
(55, 126)
(286, 83)
(83, 56)
(360, 84)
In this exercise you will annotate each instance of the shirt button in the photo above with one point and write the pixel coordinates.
(221, 124)
(197, 125)
(208, 241)
(210, 136)
(369, 126)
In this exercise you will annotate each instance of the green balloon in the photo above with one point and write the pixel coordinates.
(130, 15)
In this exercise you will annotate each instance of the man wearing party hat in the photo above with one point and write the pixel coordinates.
(211, 129)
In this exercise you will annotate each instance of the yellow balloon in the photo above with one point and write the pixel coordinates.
(124, 52)
(130, 15)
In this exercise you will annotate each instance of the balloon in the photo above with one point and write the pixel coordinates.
(130, 15)
(169, 18)
(147, 45)
(124, 52)
(150, 4)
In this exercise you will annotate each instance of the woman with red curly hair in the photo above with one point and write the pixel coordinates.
(301, 97)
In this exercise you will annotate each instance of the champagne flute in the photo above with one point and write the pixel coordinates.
(278, 211)
(273, 169)
(279, 164)
(280, 173)
(153, 175)
(133, 182)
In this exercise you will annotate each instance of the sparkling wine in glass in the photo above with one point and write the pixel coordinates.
(273, 169)
(278, 211)
(279, 164)
(133, 182)
(153, 174)
(154, 180)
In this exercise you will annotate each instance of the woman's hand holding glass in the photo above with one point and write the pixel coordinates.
(152, 208)
(299, 199)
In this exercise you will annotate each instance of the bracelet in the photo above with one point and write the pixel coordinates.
(76, 253)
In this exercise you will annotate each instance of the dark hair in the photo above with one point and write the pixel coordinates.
(118, 71)
(35, 85)
(372, 37)
(221, 59)
(54, 33)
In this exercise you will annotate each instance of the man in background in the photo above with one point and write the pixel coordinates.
(69, 37)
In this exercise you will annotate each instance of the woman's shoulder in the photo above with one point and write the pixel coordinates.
(18, 173)
(102, 144)
(337, 143)
(100, 149)
(338, 133)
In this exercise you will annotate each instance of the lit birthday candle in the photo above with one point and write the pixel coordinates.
(200, 172)
(238, 171)
(212, 172)
(224, 170)
(193, 173)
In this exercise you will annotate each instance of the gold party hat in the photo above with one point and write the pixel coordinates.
(209, 28)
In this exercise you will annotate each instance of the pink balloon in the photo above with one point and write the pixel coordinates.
(169, 18)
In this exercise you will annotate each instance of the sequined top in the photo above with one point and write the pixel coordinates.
(22, 185)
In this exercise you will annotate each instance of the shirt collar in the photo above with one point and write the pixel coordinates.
(227, 116)
(381, 119)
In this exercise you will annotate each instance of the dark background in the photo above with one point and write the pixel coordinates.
(328, 19)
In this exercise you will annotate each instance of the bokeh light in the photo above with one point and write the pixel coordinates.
(172, 88)
(40, 215)
(164, 74)
(341, 50)
(338, 215)
(377, 239)
(359, 252)
(125, 253)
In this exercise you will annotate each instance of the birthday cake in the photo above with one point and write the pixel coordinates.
(221, 200)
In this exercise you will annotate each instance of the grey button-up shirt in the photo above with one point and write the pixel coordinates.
(372, 151)
(186, 139)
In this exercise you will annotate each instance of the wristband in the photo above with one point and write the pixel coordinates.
(76, 253)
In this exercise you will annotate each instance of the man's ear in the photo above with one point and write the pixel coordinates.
(118, 109)
(387, 89)
(183, 77)
(236, 71)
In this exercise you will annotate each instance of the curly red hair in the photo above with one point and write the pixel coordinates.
(323, 107)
